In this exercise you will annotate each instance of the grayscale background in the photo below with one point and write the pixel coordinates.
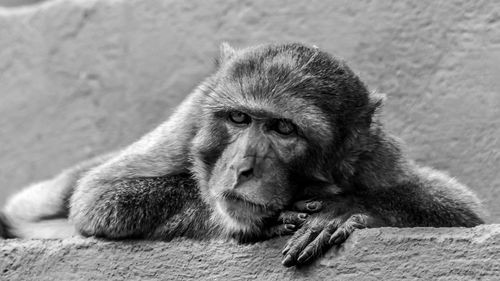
(80, 80)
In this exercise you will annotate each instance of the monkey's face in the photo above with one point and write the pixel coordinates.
(268, 128)
(248, 164)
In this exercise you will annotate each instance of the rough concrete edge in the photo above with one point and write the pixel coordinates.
(388, 253)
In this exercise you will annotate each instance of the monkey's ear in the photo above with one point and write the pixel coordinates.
(226, 52)
(376, 102)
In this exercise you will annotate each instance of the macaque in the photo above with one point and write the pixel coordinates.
(281, 139)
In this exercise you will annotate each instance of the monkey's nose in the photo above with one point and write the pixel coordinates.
(245, 170)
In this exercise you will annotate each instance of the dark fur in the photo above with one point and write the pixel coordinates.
(142, 207)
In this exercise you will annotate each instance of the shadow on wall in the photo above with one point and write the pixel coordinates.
(18, 3)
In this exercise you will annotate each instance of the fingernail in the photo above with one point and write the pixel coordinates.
(304, 257)
(287, 261)
(287, 248)
(312, 206)
(335, 240)
(290, 226)
(302, 216)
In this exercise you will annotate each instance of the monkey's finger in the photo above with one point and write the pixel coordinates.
(308, 206)
(293, 239)
(319, 245)
(342, 233)
(291, 217)
(300, 243)
(279, 230)
(314, 227)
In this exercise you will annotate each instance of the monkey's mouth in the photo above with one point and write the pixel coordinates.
(240, 199)
(241, 207)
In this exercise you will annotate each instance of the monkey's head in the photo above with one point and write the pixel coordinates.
(275, 119)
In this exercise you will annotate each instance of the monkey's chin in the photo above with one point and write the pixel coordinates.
(241, 215)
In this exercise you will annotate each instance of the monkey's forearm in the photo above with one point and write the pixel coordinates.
(428, 198)
(403, 194)
(138, 207)
(162, 152)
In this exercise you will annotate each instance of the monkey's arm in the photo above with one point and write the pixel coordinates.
(154, 207)
(162, 152)
(425, 198)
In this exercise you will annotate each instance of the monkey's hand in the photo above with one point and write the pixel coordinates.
(322, 231)
(291, 220)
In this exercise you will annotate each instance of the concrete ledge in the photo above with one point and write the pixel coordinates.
(374, 254)
(84, 77)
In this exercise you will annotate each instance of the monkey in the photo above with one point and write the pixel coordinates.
(282, 139)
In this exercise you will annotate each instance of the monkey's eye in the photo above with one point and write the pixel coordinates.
(285, 127)
(238, 117)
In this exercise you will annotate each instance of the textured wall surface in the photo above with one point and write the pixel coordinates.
(375, 254)
(82, 77)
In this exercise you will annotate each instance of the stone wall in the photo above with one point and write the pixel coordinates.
(376, 254)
